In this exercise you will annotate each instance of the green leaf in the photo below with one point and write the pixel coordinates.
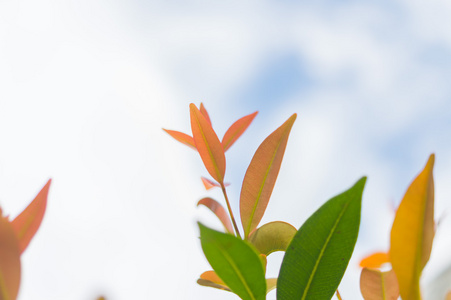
(236, 262)
(271, 237)
(261, 176)
(319, 253)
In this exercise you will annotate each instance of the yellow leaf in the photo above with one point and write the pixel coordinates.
(412, 233)
(377, 285)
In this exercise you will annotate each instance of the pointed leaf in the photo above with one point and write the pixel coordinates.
(271, 237)
(207, 144)
(319, 253)
(236, 262)
(219, 211)
(375, 260)
(236, 130)
(208, 184)
(27, 223)
(182, 138)
(261, 176)
(377, 285)
(204, 113)
(9, 261)
(210, 279)
(412, 233)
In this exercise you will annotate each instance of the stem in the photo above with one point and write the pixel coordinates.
(230, 209)
(339, 296)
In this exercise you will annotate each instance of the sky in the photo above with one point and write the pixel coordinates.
(87, 86)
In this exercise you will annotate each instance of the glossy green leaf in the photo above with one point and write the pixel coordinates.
(236, 130)
(9, 261)
(236, 262)
(207, 144)
(377, 285)
(219, 211)
(182, 138)
(27, 223)
(319, 253)
(412, 233)
(271, 237)
(261, 176)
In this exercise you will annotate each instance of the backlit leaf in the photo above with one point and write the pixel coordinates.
(207, 144)
(375, 260)
(236, 262)
(412, 233)
(208, 184)
(9, 261)
(204, 113)
(261, 176)
(27, 223)
(319, 253)
(182, 137)
(236, 130)
(219, 211)
(210, 279)
(271, 237)
(377, 285)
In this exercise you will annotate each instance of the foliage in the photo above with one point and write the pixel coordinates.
(318, 253)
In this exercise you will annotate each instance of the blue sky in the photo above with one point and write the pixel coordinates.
(88, 85)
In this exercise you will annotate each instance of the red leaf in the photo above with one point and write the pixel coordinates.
(236, 130)
(208, 184)
(9, 261)
(261, 176)
(219, 211)
(204, 112)
(182, 138)
(207, 144)
(27, 223)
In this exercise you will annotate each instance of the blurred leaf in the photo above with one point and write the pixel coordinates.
(219, 211)
(205, 113)
(9, 261)
(261, 176)
(207, 144)
(208, 184)
(271, 237)
(375, 260)
(27, 223)
(448, 296)
(236, 130)
(182, 137)
(210, 279)
(271, 283)
(319, 253)
(412, 233)
(377, 285)
(236, 262)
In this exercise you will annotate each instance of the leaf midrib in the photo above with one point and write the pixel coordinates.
(323, 249)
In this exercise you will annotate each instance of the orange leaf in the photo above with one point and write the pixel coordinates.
(377, 285)
(210, 279)
(182, 138)
(412, 233)
(375, 260)
(219, 211)
(27, 223)
(261, 176)
(448, 296)
(208, 184)
(9, 261)
(236, 130)
(207, 144)
(204, 112)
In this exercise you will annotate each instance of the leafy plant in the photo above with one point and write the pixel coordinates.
(316, 255)
(15, 236)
